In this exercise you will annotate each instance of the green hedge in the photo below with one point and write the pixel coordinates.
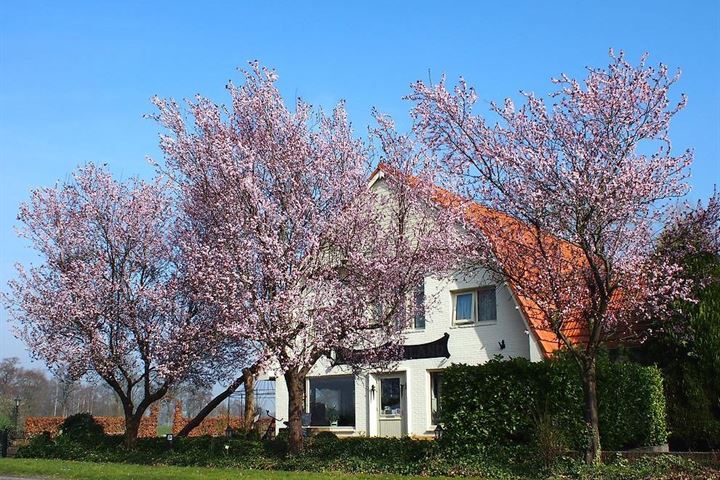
(356, 455)
(503, 401)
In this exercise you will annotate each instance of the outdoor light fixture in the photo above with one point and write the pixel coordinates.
(17, 412)
(438, 432)
(229, 432)
(372, 391)
(501, 343)
(169, 437)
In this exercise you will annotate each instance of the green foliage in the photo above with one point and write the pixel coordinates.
(41, 446)
(549, 441)
(693, 380)
(82, 428)
(687, 350)
(686, 346)
(324, 436)
(498, 403)
(657, 467)
(388, 456)
(5, 422)
(277, 447)
(631, 405)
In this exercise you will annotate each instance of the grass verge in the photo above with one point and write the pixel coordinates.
(65, 469)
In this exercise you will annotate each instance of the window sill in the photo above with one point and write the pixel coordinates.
(415, 330)
(330, 427)
(474, 324)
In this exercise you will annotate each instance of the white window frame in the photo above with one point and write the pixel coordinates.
(474, 320)
(308, 406)
(473, 309)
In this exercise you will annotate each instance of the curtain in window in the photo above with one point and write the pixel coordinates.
(486, 304)
(463, 307)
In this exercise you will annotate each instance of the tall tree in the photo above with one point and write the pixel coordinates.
(687, 347)
(109, 296)
(288, 242)
(579, 198)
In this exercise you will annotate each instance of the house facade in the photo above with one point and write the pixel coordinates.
(467, 318)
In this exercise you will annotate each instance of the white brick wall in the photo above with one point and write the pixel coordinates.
(470, 344)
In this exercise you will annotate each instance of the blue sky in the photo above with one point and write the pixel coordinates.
(76, 77)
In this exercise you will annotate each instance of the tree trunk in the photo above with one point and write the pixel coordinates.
(249, 384)
(296, 398)
(132, 428)
(207, 409)
(589, 379)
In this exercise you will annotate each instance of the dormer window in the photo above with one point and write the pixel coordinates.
(474, 306)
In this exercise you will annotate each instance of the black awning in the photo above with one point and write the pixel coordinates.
(435, 349)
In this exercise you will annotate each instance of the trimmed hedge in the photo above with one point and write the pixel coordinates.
(503, 402)
(360, 455)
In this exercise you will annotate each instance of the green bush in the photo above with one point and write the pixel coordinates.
(498, 403)
(82, 428)
(355, 455)
(549, 440)
(324, 436)
(278, 447)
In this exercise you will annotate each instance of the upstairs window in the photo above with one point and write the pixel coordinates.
(463, 308)
(487, 308)
(474, 306)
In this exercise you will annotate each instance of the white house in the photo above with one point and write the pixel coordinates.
(472, 319)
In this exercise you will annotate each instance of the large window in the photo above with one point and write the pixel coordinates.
(472, 306)
(435, 397)
(332, 401)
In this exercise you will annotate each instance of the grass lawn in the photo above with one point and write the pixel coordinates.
(64, 469)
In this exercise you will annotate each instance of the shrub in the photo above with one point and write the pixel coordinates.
(631, 405)
(279, 446)
(39, 446)
(325, 436)
(82, 428)
(549, 441)
(355, 455)
(497, 403)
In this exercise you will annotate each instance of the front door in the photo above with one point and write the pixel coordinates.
(391, 405)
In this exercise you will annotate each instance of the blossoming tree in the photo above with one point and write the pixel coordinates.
(109, 297)
(582, 183)
(289, 242)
